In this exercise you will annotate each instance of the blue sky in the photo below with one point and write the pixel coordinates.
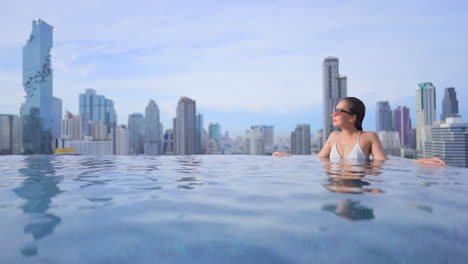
(244, 62)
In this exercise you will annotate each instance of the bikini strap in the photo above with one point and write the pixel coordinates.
(338, 138)
(359, 136)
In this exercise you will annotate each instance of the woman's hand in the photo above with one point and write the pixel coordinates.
(280, 154)
(433, 161)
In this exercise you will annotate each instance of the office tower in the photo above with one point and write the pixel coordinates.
(84, 125)
(185, 133)
(318, 141)
(300, 140)
(449, 141)
(425, 113)
(403, 125)
(260, 140)
(71, 127)
(10, 135)
(168, 142)
(120, 140)
(449, 104)
(57, 121)
(136, 133)
(200, 147)
(98, 108)
(37, 111)
(390, 142)
(334, 89)
(152, 135)
(214, 132)
(383, 117)
(98, 130)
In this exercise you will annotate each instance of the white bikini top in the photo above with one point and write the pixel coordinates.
(357, 154)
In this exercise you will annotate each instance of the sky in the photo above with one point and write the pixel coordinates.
(244, 62)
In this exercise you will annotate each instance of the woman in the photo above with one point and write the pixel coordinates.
(352, 142)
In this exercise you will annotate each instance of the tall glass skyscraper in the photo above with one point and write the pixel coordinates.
(334, 89)
(403, 125)
(185, 127)
(425, 113)
(136, 133)
(37, 112)
(449, 104)
(99, 108)
(384, 120)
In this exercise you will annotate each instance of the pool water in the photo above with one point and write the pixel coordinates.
(229, 209)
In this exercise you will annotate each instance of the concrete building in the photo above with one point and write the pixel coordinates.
(136, 132)
(300, 140)
(425, 114)
(71, 127)
(449, 141)
(120, 141)
(334, 89)
(449, 104)
(168, 143)
(383, 117)
(37, 112)
(152, 144)
(10, 135)
(98, 130)
(200, 145)
(88, 146)
(260, 140)
(185, 127)
(390, 142)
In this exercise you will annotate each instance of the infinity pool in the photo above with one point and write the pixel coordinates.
(229, 209)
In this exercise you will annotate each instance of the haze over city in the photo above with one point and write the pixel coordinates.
(245, 63)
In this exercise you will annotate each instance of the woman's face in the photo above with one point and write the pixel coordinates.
(342, 116)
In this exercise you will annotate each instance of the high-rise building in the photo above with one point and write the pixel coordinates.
(136, 133)
(425, 113)
(200, 146)
(152, 135)
(449, 104)
(168, 143)
(214, 132)
(185, 133)
(120, 140)
(71, 127)
(37, 112)
(403, 125)
(390, 142)
(10, 135)
(449, 141)
(98, 108)
(383, 117)
(334, 89)
(300, 140)
(87, 146)
(57, 122)
(98, 130)
(260, 140)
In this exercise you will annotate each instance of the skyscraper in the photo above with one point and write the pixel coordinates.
(334, 89)
(300, 140)
(152, 134)
(425, 113)
(200, 147)
(185, 133)
(260, 140)
(214, 132)
(57, 122)
(98, 107)
(136, 133)
(403, 125)
(71, 127)
(449, 104)
(120, 140)
(383, 117)
(449, 141)
(10, 135)
(37, 112)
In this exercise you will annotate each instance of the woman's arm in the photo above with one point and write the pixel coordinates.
(376, 147)
(433, 161)
(325, 152)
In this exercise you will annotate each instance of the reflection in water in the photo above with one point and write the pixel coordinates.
(38, 188)
(188, 165)
(348, 177)
(350, 210)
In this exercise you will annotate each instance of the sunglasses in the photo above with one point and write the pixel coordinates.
(338, 111)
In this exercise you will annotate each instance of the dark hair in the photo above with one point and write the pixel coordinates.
(358, 108)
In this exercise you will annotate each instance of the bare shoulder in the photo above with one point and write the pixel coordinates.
(369, 135)
(334, 135)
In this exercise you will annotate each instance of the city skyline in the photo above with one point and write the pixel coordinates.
(242, 70)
